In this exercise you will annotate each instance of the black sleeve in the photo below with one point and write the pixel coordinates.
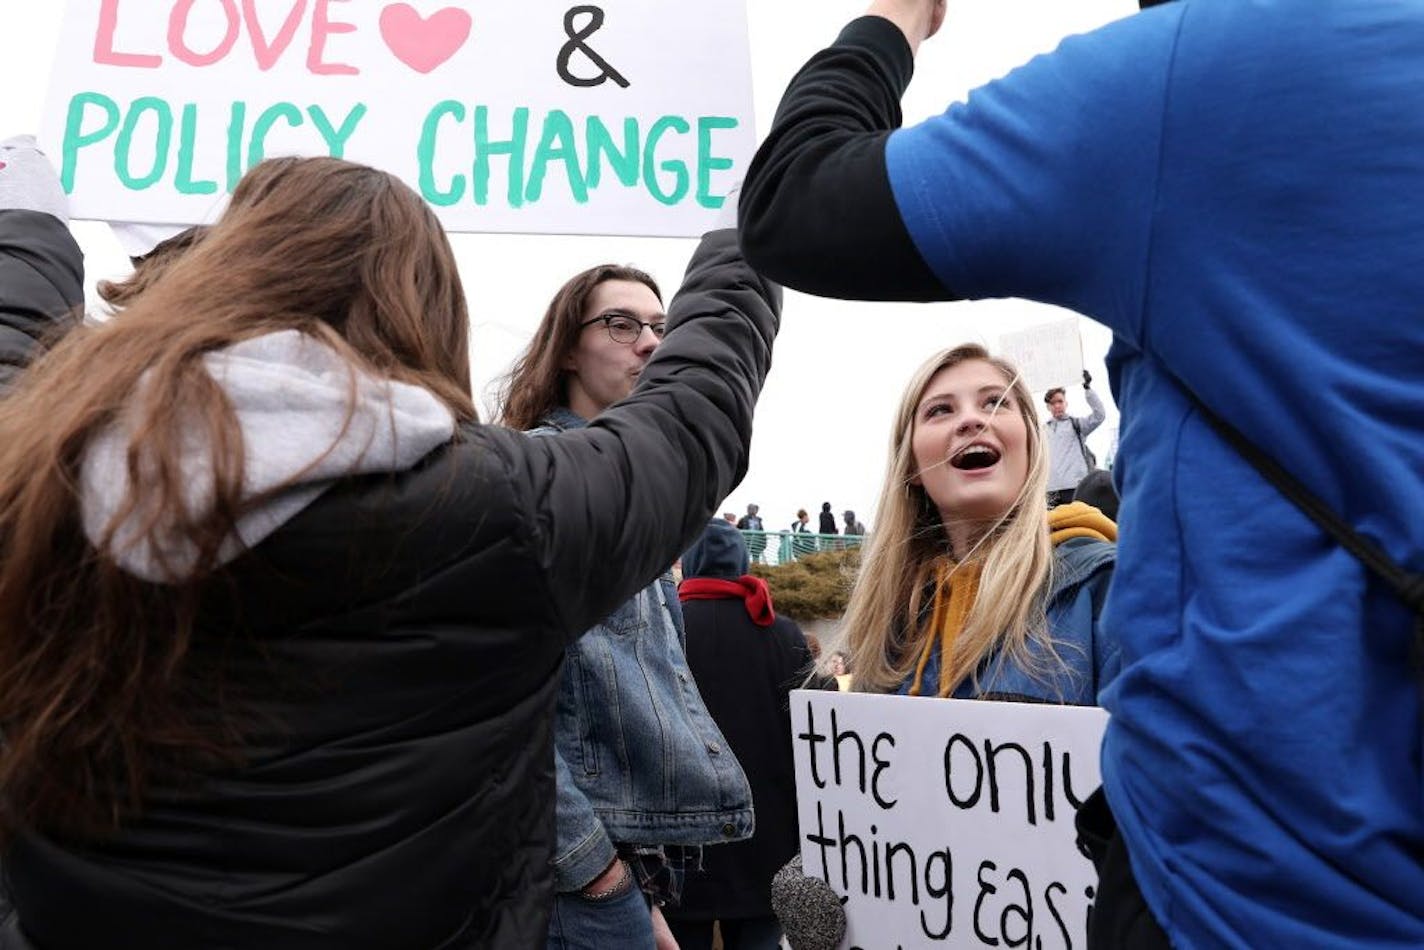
(817, 212)
(41, 285)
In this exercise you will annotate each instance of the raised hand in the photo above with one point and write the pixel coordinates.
(28, 182)
(917, 19)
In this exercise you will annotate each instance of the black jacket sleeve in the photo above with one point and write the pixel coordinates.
(817, 212)
(610, 506)
(41, 285)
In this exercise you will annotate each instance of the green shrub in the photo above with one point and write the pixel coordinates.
(814, 587)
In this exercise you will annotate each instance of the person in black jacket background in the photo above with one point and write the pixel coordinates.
(292, 685)
(41, 268)
(41, 285)
(746, 661)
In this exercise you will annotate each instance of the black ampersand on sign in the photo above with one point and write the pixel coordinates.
(577, 44)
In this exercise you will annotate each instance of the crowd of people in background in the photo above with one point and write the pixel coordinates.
(797, 539)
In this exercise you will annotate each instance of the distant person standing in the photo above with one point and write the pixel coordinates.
(800, 544)
(1069, 460)
(828, 520)
(852, 527)
(756, 543)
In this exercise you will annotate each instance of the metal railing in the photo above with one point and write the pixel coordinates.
(785, 546)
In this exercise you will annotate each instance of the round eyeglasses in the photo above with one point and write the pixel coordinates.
(625, 329)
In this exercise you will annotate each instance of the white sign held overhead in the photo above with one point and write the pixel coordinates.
(947, 822)
(1048, 355)
(624, 117)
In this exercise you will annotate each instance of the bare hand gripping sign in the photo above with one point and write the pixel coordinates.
(624, 117)
(947, 822)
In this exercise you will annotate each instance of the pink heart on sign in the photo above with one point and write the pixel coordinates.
(2, 166)
(423, 43)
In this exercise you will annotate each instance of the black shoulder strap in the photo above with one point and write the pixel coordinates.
(1408, 585)
(1082, 446)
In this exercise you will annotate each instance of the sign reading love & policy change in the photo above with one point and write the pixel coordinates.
(947, 823)
(545, 116)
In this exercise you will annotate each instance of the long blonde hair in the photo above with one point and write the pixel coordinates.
(886, 621)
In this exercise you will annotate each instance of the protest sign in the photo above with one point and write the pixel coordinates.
(1047, 355)
(947, 822)
(625, 117)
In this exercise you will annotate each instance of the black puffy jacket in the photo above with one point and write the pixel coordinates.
(41, 281)
(405, 634)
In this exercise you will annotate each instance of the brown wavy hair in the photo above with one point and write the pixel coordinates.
(100, 691)
(538, 382)
(149, 267)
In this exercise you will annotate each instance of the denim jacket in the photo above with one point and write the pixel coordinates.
(639, 760)
(1087, 658)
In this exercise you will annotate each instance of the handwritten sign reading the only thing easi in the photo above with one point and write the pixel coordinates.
(947, 822)
(549, 116)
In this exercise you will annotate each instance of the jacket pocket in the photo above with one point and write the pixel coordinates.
(584, 709)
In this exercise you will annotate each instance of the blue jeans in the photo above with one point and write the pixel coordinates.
(578, 923)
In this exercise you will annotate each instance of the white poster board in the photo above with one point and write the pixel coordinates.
(1048, 355)
(947, 822)
(624, 117)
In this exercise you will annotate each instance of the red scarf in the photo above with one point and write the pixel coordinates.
(752, 591)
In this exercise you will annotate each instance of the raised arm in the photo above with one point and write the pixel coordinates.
(1094, 419)
(41, 267)
(817, 212)
(610, 506)
(1039, 186)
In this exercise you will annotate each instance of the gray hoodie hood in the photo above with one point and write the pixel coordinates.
(291, 394)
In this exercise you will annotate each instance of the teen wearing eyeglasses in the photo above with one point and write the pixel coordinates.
(642, 769)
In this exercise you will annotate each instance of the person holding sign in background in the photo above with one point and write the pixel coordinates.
(1234, 189)
(970, 587)
(641, 767)
(281, 626)
(1069, 460)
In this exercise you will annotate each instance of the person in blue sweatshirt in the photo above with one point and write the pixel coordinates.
(1235, 189)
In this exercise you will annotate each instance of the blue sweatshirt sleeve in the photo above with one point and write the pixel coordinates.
(1041, 185)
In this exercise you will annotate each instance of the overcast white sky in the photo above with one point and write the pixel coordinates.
(823, 421)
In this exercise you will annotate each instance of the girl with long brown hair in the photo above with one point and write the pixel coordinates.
(280, 623)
